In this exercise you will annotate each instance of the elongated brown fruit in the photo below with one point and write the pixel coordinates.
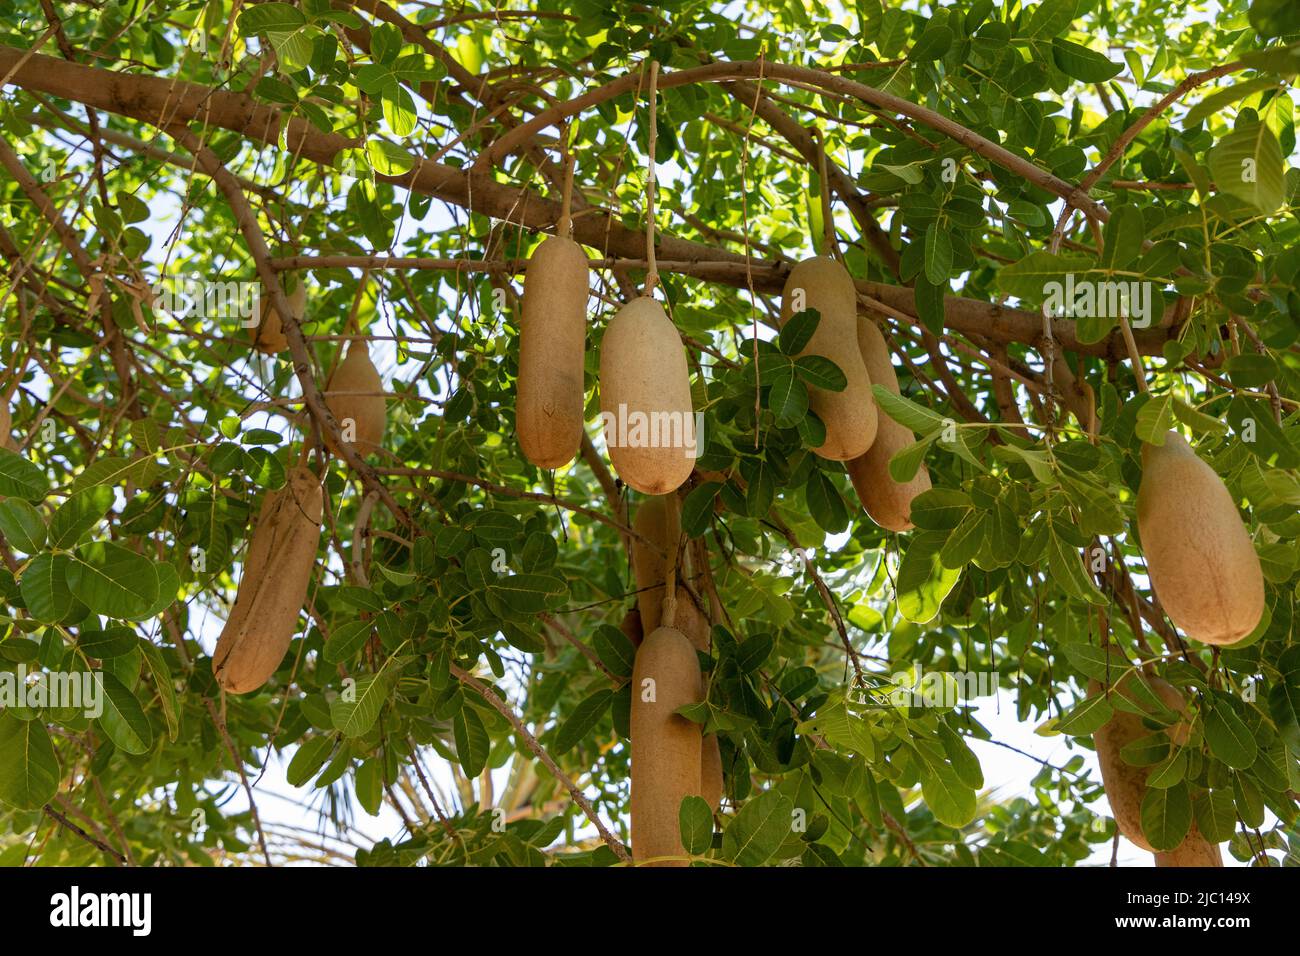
(888, 502)
(666, 747)
(553, 331)
(691, 621)
(850, 415)
(1193, 851)
(645, 399)
(1200, 558)
(354, 395)
(656, 520)
(268, 334)
(1125, 784)
(273, 588)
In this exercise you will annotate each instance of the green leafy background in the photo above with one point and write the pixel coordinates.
(141, 457)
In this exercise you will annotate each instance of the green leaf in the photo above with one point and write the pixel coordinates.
(923, 582)
(1222, 97)
(1216, 816)
(1251, 369)
(309, 758)
(346, 640)
(1198, 421)
(1166, 816)
(762, 487)
(906, 462)
(472, 741)
(22, 525)
(355, 717)
(111, 580)
(825, 503)
(1067, 569)
(1169, 772)
(1252, 422)
(788, 398)
(387, 158)
(78, 514)
(963, 759)
(1050, 19)
(697, 509)
(29, 769)
(270, 18)
(399, 110)
(162, 680)
(1229, 738)
(109, 471)
(19, 478)
(45, 587)
(1082, 63)
(755, 834)
(1274, 18)
(695, 821)
(966, 540)
(1086, 717)
(1247, 799)
(526, 592)
(1124, 234)
(1091, 661)
(820, 372)
(582, 721)
(1029, 278)
(123, 719)
(916, 417)
(929, 299)
(951, 801)
(615, 650)
(753, 652)
(1284, 697)
(938, 253)
(385, 43)
(105, 645)
(932, 44)
(1154, 419)
(798, 331)
(1247, 163)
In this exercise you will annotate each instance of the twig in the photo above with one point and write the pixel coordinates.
(239, 766)
(64, 822)
(540, 752)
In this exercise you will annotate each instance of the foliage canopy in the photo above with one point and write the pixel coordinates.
(465, 612)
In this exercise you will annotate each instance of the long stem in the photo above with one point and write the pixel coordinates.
(828, 224)
(1138, 372)
(668, 616)
(565, 226)
(652, 276)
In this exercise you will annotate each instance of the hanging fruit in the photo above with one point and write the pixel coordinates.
(354, 395)
(273, 586)
(1200, 558)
